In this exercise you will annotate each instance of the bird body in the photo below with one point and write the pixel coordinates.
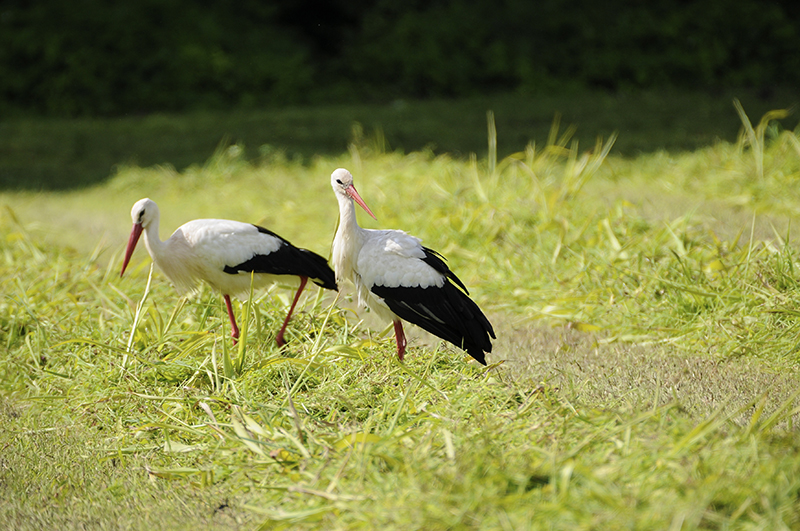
(394, 258)
(223, 253)
(398, 278)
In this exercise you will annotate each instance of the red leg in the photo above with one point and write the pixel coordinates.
(234, 328)
(279, 337)
(400, 337)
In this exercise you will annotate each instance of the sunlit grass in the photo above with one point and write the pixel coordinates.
(642, 378)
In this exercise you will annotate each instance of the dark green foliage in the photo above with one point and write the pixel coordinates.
(91, 57)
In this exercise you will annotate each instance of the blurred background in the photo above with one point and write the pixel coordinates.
(95, 60)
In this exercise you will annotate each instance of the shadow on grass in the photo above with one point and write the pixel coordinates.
(61, 154)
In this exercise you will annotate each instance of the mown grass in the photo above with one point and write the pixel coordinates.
(644, 375)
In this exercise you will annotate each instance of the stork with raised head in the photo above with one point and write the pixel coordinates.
(398, 278)
(223, 253)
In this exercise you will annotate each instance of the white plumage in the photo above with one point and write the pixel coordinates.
(223, 253)
(200, 249)
(394, 258)
(397, 277)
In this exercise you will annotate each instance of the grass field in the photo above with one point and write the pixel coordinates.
(644, 376)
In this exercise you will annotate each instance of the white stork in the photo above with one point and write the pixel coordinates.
(398, 278)
(223, 253)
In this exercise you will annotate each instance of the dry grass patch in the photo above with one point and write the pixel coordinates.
(639, 377)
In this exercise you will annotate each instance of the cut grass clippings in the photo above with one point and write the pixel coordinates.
(644, 374)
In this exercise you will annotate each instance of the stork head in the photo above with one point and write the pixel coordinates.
(144, 212)
(342, 184)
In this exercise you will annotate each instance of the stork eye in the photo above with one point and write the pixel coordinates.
(339, 181)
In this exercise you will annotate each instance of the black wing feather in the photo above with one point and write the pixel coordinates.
(446, 312)
(288, 260)
(437, 261)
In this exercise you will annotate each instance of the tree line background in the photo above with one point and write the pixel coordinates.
(95, 57)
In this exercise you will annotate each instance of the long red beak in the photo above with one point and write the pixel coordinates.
(135, 233)
(353, 194)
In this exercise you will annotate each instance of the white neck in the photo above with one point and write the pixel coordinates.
(347, 215)
(173, 257)
(153, 242)
(348, 240)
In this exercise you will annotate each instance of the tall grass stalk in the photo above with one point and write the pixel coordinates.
(492, 135)
(238, 365)
(754, 137)
(136, 318)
